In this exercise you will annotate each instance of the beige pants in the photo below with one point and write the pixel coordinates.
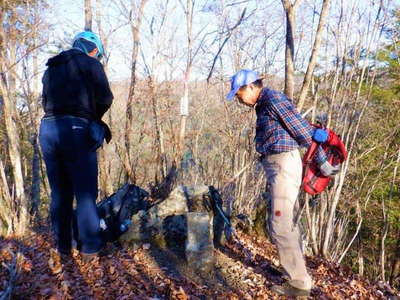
(284, 171)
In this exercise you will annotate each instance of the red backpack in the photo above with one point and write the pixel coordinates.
(313, 181)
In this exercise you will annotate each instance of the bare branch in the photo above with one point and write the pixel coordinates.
(224, 42)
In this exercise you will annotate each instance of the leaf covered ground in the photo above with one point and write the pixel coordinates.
(243, 270)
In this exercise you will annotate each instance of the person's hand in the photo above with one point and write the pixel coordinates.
(320, 135)
(328, 170)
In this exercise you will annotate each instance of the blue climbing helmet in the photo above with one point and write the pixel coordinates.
(90, 37)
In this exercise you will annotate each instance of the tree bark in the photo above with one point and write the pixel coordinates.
(135, 29)
(383, 240)
(314, 54)
(289, 54)
(360, 258)
(35, 188)
(290, 11)
(34, 97)
(5, 204)
(160, 157)
(105, 180)
(88, 15)
(7, 88)
(185, 98)
(395, 268)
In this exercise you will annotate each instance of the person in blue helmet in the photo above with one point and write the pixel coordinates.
(280, 131)
(76, 94)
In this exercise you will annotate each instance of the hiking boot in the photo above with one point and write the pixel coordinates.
(288, 290)
(88, 257)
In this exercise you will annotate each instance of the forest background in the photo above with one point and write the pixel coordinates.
(169, 64)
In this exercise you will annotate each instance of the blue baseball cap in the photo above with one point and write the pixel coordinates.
(241, 78)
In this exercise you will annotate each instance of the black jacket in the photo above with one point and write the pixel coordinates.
(75, 84)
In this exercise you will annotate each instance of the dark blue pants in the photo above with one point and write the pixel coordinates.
(72, 171)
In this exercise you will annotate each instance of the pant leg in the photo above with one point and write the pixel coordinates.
(84, 173)
(61, 188)
(83, 170)
(284, 173)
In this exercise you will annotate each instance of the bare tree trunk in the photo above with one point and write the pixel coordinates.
(102, 36)
(185, 99)
(314, 89)
(105, 181)
(386, 219)
(7, 88)
(160, 157)
(289, 54)
(88, 15)
(314, 54)
(135, 29)
(360, 221)
(32, 96)
(383, 239)
(351, 133)
(311, 226)
(35, 188)
(360, 258)
(290, 11)
(395, 268)
(6, 219)
(15, 155)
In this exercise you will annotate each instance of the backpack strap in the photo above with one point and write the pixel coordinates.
(312, 150)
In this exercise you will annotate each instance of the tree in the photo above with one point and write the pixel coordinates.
(314, 54)
(188, 9)
(14, 49)
(290, 11)
(135, 30)
(88, 15)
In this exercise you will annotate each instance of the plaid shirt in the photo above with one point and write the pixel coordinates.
(280, 128)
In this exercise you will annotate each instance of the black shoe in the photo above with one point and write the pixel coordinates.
(288, 290)
(65, 255)
(64, 252)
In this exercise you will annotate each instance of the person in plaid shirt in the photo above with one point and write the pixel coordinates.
(280, 131)
(280, 128)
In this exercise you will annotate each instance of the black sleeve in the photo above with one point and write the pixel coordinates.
(45, 85)
(101, 89)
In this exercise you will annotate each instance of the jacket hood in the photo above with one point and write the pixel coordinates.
(64, 57)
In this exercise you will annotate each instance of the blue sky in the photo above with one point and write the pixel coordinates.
(165, 53)
(67, 18)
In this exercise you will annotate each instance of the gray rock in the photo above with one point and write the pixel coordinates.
(187, 219)
(199, 243)
(175, 204)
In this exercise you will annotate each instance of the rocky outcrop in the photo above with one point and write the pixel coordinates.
(191, 216)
